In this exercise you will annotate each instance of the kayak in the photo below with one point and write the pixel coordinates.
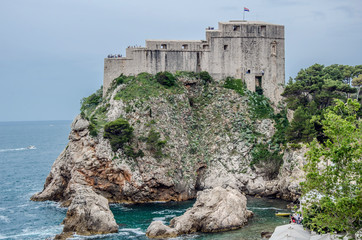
(282, 214)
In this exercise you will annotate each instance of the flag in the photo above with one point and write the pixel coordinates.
(246, 9)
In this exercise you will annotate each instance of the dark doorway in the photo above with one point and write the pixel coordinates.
(258, 85)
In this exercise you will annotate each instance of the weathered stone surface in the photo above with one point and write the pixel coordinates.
(89, 214)
(79, 124)
(208, 146)
(215, 210)
(263, 61)
(159, 230)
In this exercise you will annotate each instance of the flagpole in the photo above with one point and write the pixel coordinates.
(244, 14)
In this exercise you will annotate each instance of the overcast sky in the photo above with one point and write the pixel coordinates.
(52, 51)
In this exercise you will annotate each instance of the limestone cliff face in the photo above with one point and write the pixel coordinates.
(209, 137)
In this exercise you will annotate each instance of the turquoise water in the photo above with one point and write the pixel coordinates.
(23, 172)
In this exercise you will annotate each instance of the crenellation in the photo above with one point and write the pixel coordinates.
(250, 50)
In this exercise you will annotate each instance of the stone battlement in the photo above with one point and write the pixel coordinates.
(250, 50)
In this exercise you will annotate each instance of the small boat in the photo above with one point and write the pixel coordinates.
(31, 147)
(282, 214)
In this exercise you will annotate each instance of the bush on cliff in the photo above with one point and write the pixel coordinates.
(266, 157)
(88, 104)
(166, 79)
(205, 76)
(154, 143)
(119, 132)
(235, 84)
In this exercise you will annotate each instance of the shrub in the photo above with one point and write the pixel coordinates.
(259, 106)
(166, 79)
(120, 79)
(92, 129)
(155, 144)
(259, 90)
(92, 101)
(119, 132)
(129, 152)
(269, 159)
(235, 84)
(205, 76)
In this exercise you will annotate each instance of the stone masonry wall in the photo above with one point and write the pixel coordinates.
(252, 51)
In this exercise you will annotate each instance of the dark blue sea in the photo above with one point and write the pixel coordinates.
(23, 172)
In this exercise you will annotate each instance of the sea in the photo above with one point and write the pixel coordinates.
(27, 152)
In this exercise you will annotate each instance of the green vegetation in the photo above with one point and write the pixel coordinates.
(154, 143)
(268, 158)
(311, 92)
(259, 106)
(166, 79)
(235, 84)
(143, 87)
(94, 112)
(88, 104)
(119, 132)
(203, 76)
(333, 185)
(357, 82)
(267, 155)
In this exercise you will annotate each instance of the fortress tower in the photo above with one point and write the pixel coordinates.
(252, 51)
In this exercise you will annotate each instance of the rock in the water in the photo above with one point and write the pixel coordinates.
(215, 210)
(266, 235)
(159, 230)
(88, 214)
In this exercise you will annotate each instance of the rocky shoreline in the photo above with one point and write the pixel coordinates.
(215, 210)
(205, 145)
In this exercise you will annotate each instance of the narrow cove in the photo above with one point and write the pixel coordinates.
(133, 219)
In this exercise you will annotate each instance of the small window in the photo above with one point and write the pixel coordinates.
(185, 46)
(236, 28)
(163, 46)
(205, 46)
(263, 31)
(226, 47)
(274, 48)
(248, 72)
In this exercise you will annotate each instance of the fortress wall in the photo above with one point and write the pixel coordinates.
(177, 45)
(113, 67)
(252, 51)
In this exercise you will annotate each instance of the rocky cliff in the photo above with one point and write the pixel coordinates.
(191, 136)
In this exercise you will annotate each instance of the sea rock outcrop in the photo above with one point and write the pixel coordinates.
(88, 214)
(215, 210)
(191, 137)
(159, 230)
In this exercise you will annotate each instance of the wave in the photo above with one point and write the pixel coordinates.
(4, 219)
(17, 149)
(97, 236)
(168, 211)
(136, 231)
(38, 233)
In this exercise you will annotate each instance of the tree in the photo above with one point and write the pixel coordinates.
(313, 91)
(333, 184)
(357, 82)
(119, 132)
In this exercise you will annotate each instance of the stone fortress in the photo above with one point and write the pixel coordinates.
(250, 50)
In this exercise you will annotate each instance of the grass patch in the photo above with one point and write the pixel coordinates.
(144, 87)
